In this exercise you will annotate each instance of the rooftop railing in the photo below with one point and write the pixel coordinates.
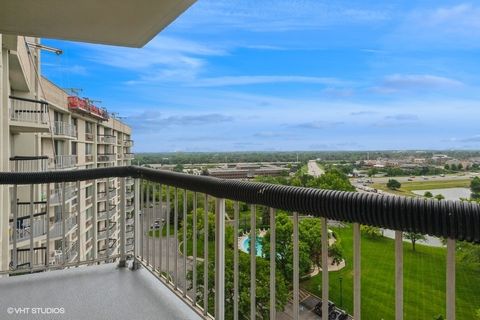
(168, 221)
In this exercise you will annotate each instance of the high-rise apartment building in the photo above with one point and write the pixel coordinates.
(43, 128)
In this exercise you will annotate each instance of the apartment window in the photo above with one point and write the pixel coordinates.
(59, 147)
(57, 116)
(74, 148)
(88, 192)
(88, 149)
(75, 123)
(88, 127)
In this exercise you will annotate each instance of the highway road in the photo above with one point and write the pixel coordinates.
(420, 178)
(314, 169)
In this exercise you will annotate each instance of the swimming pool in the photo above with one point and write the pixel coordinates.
(258, 245)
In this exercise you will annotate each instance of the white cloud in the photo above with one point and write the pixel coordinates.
(401, 82)
(247, 80)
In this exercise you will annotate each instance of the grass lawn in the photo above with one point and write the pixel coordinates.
(424, 281)
(407, 187)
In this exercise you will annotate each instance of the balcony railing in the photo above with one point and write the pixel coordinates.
(56, 196)
(61, 128)
(28, 110)
(183, 195)
(128, 143)
(65, 161)
(29, 163)
(106, 157)
(89, 136)
(129, 156)
(106, 139)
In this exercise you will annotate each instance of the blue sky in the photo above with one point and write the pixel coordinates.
(292, 75)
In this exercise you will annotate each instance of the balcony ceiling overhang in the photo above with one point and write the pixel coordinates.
(130, 23)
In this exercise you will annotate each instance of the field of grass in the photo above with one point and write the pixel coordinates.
(407, 187)
(424, 281)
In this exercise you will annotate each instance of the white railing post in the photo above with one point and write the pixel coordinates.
(325, 284)
(219, 259)
(356, 272)
(122, 262)
(296, 269)
(451, 243)
(398, 275)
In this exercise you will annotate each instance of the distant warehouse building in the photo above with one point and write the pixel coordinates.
(233, 173)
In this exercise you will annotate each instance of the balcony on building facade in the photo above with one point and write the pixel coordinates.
(56, 195)
(89, 136)
(30, 220)
(64, 129)
(128, 143)
(453, 221)
(106, 157)
(70, 224)
(89, 158)
(64, 161)
(28, 163)
(28, 115)
(106, 139)
(128, 156)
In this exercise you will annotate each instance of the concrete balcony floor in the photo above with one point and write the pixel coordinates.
(92, 292)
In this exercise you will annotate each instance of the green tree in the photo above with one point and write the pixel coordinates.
(393, 184)
(460, 166)
(447, 166)
(439, 197)
(475, 186)
(262, 281)
(428, 194)
(284, 247)
(310, 232)
(371, 232)
(414, 237)
(478, 314)
(335, 251)
(178, 168)
(372, 172)
(453, 167)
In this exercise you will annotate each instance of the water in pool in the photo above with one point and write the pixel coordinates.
(258, 245)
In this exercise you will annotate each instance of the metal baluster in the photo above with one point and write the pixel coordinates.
(109, 213)
(325, 285)
(273, 292)
(356, 272)
(398, 275)
(205, 257)
(168, 234)
(138, 225)
(451, 243)
(95, 221)
(219, 259)
(78, 221)
(162, 219)
(235, 259)
(194, 244)
(253, 265)
(185, 204)
(149, 222)
(63, 223)
(32, 229)
(15, 227)
(47, 217)
(296, 271)
(142, 216)
(123, 190)
(175, 239)
(15, 224)
(154, 230)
